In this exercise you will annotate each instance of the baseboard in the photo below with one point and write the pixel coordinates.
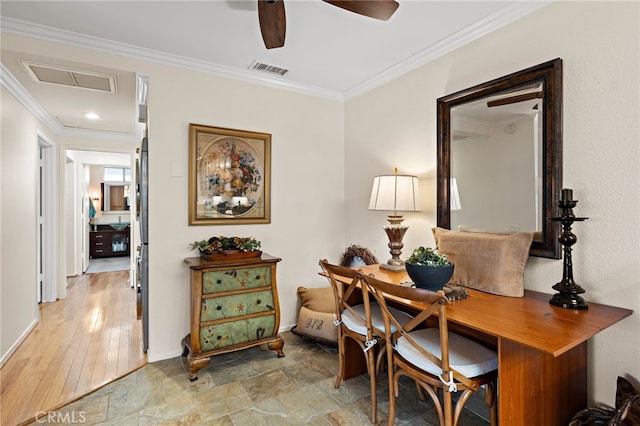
(167, 355)
(284, 328)
(18, 342)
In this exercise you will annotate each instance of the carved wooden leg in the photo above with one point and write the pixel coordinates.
(195, 364)
(277, 346)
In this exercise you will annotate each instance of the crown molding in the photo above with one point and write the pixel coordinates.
(490, 23)
(14, 87)
(69, 38)
(9, 82)
(478, 29)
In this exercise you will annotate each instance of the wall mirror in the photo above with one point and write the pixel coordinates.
(115, 197)
(500, 156)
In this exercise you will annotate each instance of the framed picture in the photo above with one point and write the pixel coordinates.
(229, 176)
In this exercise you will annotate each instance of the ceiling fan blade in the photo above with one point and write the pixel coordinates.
(273, 22)
(377, 9)
(515, 99)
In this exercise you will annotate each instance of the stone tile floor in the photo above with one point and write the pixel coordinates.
(251, 387)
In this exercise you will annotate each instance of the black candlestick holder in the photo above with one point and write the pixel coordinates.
(568, 295)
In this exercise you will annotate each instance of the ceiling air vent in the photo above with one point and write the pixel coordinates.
(259, 66)
(51, 74)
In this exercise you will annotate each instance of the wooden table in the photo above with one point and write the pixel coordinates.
(542, 349)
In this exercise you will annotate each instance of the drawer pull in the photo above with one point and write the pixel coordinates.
(219, 308)
(258, 302)
(260, 332)
(219, 337)
(257, 277)
(219, 281)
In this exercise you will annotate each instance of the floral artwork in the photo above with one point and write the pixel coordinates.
(229, 180)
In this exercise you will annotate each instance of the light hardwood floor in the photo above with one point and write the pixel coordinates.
(81, 343)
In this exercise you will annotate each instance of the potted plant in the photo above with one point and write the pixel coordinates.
(429, 269)
(216, 248)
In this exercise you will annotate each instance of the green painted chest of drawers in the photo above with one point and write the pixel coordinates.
(234, 306)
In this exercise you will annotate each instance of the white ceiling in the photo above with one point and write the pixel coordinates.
(328, 51)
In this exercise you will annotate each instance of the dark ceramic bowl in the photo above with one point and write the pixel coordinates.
(429, 277)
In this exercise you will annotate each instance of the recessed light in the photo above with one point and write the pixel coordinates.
(92, 115)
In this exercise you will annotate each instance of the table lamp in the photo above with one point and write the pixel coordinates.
(395, 193)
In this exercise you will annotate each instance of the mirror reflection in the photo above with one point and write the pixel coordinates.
(500, 156)
(496, 163)
(115, 197)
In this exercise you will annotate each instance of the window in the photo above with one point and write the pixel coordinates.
(117, 174)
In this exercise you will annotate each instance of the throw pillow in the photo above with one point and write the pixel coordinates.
(317, 299)
(493, 263)
(317, 326)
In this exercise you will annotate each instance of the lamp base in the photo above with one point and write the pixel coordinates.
(392, 268)
(568, 301)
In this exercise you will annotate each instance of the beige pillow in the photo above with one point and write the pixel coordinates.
(317, 299)
(316, 325)
(493, 263)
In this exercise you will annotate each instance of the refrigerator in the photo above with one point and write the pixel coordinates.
(144, 240)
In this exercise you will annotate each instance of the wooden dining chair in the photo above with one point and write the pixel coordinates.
(434, 358)
(357, 315)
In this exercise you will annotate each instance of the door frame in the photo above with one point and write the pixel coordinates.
(46, 221)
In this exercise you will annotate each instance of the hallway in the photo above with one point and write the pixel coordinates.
(81, 343)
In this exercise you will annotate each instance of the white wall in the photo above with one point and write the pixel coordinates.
(395, 126)
(19, 167)
(307, 188)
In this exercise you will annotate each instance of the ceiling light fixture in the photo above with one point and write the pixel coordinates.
(92, 115)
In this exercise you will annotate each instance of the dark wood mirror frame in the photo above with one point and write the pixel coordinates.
(550, 74)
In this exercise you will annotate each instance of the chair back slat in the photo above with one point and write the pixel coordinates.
(346, 283)
(434, 303)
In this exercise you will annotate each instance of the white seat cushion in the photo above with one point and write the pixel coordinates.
(377, 320)
(465, 356)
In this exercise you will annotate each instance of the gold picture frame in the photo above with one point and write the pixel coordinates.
(229, 176)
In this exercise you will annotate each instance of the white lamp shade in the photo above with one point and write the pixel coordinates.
(395, 193)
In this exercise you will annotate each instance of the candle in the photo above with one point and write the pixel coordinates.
(567, 195)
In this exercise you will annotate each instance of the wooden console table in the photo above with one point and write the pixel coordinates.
(542, 349)
(234, 306)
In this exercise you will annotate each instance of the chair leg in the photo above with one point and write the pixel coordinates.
(393, 393)
(462, 400)
(434, 394)
(341, 366)
(421, 394)
(371, 369)
(448, 412)
(491, 401)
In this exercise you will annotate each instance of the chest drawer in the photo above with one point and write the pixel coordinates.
(236, 332)
(236, 305)
(235, 279)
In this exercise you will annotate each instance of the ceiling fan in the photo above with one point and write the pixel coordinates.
(273, 22)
